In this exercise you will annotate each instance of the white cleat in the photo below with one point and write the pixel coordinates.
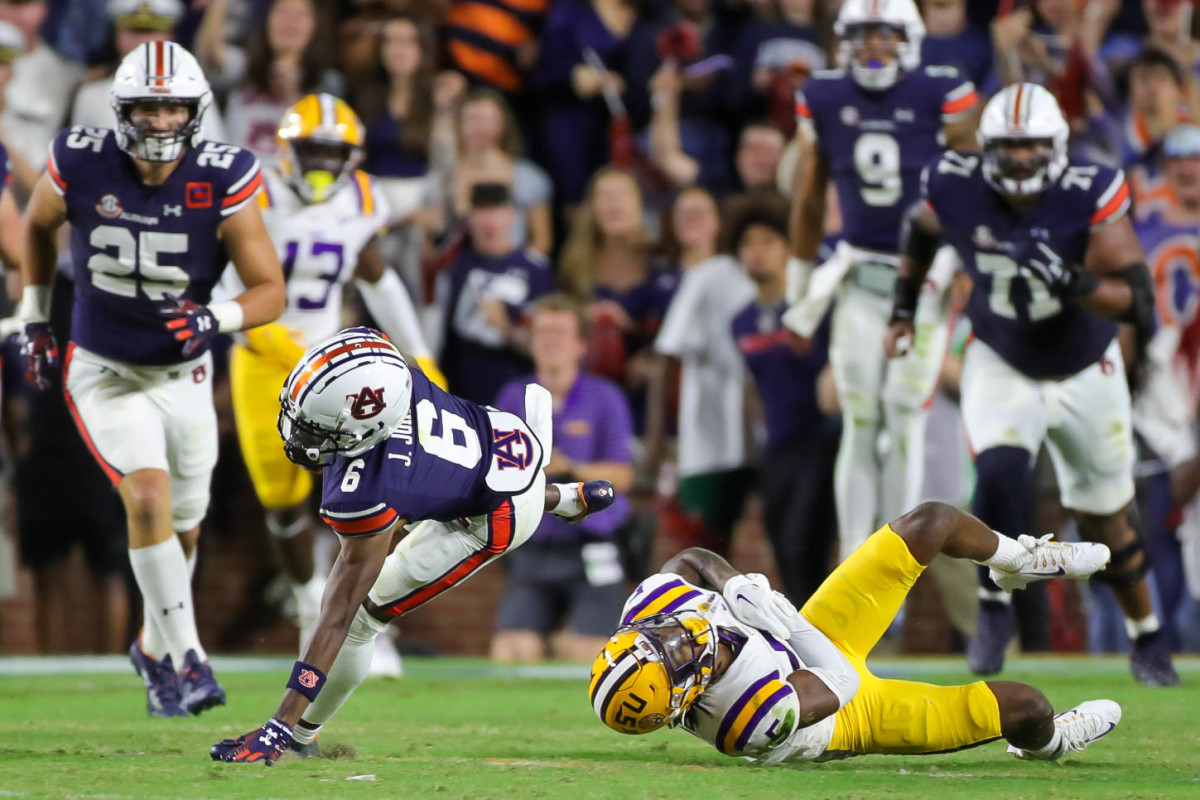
(385, 660)
(1080, 726)
(1050, 559)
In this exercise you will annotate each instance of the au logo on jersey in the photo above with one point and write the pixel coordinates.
(512, 449)
(109, 207)
(367, 403)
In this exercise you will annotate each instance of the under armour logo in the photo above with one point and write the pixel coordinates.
(269, 735)
(167, 611)
(367, 403)
(172, 211)
(204, 324)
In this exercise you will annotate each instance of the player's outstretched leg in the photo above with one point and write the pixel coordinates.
(1034, 732)
(575, 501)
(933, 528)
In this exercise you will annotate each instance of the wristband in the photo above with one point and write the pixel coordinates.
(229, 315)
(904, 305)
(307, 680)
(35, 304)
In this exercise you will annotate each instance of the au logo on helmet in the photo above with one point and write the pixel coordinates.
(367, 403)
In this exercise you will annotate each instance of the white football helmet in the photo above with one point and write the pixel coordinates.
(163, 72)
(857, 17)
(346, 395)
(1023, 114)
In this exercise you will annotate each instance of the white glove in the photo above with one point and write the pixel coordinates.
(754, 603)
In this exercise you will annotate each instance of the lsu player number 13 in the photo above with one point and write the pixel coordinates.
(155, 213)
(721, 655)
(324, 216)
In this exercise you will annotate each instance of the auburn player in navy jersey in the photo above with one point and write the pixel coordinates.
(395, 450)
(869, 127)
(1056, 264)
(155, 213)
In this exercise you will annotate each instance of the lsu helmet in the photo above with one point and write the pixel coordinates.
(346, 395)
(1025, 115)
(858, 18)
(320, 146)
(652, 670)
(162, 72)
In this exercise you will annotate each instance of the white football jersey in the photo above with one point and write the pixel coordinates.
(318, 246)
(751, 710)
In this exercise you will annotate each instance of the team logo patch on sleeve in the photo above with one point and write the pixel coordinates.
(199, 195)
(367, 403)
(512, 449)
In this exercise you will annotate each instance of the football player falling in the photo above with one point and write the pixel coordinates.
(395, 450)
(324, 216)
(733, 663)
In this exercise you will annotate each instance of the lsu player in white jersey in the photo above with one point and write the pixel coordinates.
(324, 216)
(732, 662)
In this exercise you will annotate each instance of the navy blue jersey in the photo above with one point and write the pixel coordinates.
(877, 142)
(1036, 332)
(5, 167)
(133, 244)
(434, 466)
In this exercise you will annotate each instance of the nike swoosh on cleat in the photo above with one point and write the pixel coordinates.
(1111, 727)
(1056, 573)
(743, 598)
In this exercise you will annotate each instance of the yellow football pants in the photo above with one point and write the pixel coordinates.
(854, 607)
(255, 382)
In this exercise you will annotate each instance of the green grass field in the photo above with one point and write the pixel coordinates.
(456, 728)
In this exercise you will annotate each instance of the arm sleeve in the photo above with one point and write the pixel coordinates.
(393, 309)
(245, 186)
(822, 658)
(959, 101)
(1113, 202)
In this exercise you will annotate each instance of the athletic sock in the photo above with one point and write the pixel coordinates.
(569, 502)
(1009, 555)
(348, 671)
(1052, 750)
(162, 576)
(1141, 627)
(995, 596)
(191, 561)
(150, 638)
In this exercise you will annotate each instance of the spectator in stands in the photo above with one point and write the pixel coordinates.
(1170, 25)
(607, 262)
(37, 97)
(568, 576)
(951, 39)
(491, 285)
(802, 443)
(398, 106)
(489, 151)
(713, 478)
(759, 151)
(1155, 106)
(134, 22)
(573, 121)
(684, 55)
(773, 53)
(285, 59)
(494, 43)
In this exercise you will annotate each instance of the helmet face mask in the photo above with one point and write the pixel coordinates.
(652, 670)
(879, 40)
(161, 73)
(345, 396)
(320, 146)
(1023, 136)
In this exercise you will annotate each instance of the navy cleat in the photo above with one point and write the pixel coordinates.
(200, 689)
(1151, 661)
(985, 651)
(593, 496)
(302, 751)
(163, 697)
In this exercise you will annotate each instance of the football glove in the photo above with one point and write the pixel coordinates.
(754, 603)
(266, 744)
(276, 342)
(192, 323)
(37, 345)
(1061, 277)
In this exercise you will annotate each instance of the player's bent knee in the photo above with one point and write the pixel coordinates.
(1020, 705)
(927, 527)
(146, 495)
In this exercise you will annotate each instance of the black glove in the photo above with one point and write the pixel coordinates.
(1062, 278)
